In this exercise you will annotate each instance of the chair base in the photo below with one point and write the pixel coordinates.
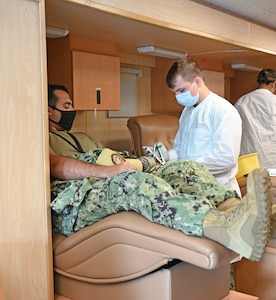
(179, 282)
(232, 296)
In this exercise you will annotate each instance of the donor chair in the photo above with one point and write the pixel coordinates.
(148, 129)
(124, 256)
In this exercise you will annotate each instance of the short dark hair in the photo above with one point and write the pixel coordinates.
(52, 98)
(266, 76)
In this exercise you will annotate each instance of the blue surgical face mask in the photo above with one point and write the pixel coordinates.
(186, 99)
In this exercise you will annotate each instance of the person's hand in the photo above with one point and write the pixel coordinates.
(158, 152)
(122, 167)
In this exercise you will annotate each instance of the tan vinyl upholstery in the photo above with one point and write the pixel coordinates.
(125, 256)
(148, 129)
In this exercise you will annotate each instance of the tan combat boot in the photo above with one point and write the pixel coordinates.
(229, 205)
(273, 222)
(245, 228)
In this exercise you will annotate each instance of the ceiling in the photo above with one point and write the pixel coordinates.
(261, 12)
(128, 34)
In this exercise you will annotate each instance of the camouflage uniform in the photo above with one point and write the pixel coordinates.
(177, 195)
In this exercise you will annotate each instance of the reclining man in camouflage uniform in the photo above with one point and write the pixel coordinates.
(182, 194)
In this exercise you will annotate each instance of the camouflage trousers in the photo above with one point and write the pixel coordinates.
(178, 195)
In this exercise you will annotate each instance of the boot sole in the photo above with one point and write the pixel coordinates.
(264, 201)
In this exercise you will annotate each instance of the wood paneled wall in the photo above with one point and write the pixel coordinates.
(243, 83)
(151, 88)
(231, 29)
(25, 238)
(153, 96)
(25, 228)
(113, 132)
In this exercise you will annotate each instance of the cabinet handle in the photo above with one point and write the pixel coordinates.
(98, 95)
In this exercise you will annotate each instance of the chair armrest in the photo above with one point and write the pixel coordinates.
(149, 129)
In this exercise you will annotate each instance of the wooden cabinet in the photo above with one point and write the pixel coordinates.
(96, 81)
(89, 69)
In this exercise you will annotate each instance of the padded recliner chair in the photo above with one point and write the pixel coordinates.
(148, 129)
(124, 256)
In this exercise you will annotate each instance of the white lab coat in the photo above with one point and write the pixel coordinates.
(210, 134)
(258, 112)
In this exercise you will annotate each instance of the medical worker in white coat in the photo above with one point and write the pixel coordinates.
(210, 127)
(258, 112)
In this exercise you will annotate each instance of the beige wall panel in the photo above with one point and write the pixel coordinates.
(112, 132)
(137, 60)
(186, 16)
(144, 92)
(265, 39)
(25, 237)
(215, 82)
(243, 83)
(2, 295)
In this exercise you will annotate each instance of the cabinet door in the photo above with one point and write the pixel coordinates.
(96, 81)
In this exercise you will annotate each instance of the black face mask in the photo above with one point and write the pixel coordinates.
(67, 118)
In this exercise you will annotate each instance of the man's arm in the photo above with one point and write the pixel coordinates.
(66, 168)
